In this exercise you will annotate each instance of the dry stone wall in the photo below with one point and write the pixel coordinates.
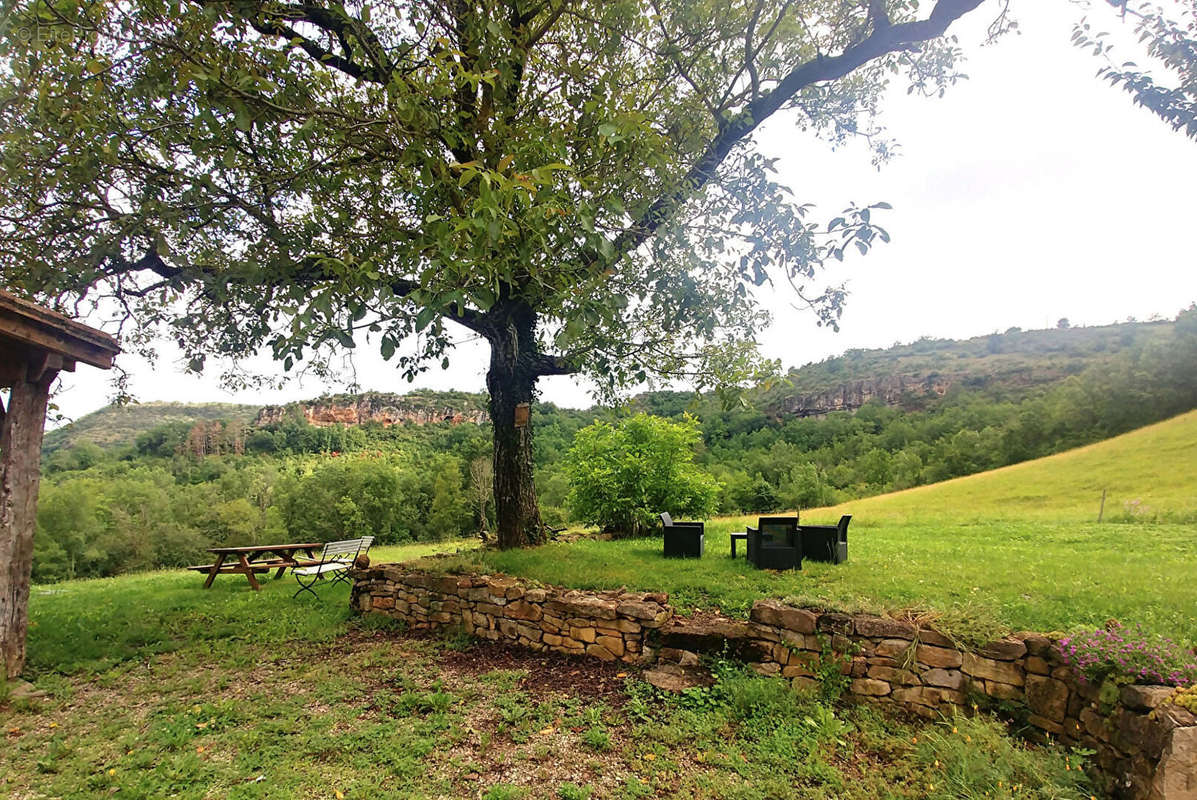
(1145, 747)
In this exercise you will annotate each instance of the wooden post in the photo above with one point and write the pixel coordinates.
(1101, 512)
(20, 472)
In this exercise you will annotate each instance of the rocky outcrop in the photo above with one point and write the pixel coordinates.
(381, 408)
(890, 390)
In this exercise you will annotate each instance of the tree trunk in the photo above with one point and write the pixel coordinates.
(20, 471)
(511, 382)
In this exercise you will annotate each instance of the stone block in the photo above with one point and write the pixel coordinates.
(767, 668)
(600, 652)
(883, 628)
(1003, 650)
(894, 676)
(771, 612)
(834, 622)
(1094, 724)
(796, 671)
(660, 619)
(522, 609)
(614, 644)
(552, 640)
(1047, 697)
(892, 648)
(1144, 698)
(991, 670)
(929, 696)
(638, 610)
(1037, 665)
(383, 602)
(936, 639)
(1002, 691)
(1176, 773)
(583, 634)
(529, 632)
(768, 632)
(944, 678)
(1036, 643)
(938, 657)
(869, 687)
(800, 641)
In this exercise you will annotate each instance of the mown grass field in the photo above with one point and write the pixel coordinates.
(1148, 475)
(157, 688)
(1017, 548)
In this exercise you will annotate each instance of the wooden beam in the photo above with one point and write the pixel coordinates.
(23, 323)
(20, 472)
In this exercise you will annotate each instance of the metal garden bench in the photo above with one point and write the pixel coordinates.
(334, 560)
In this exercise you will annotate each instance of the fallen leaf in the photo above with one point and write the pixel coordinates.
(546, 731)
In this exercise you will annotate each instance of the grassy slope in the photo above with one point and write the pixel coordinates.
(1144, 472)
(1007, 549)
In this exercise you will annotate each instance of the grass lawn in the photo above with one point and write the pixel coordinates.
(1016, 548)
(158, 688)
(978, 580)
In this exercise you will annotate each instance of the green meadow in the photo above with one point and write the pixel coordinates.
(1017, 548)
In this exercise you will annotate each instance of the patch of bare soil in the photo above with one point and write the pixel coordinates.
(545, 671)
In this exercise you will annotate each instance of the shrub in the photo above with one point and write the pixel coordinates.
(622, 475)
(1128, 655)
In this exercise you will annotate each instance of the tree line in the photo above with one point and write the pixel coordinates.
(182, 487)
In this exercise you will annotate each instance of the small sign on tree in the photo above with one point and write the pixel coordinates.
(522, 413)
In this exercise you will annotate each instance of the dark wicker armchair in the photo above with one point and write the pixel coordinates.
(775, 543)
(826, 542)
(683, 539)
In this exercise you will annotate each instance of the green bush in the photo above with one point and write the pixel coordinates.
(621, 475)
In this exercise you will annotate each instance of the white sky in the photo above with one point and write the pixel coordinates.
(1031, 192)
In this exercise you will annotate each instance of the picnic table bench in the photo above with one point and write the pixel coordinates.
(257, 559)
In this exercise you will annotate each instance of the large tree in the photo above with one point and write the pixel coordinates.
(573, 180)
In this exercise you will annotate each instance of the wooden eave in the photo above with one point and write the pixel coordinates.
(33, 334)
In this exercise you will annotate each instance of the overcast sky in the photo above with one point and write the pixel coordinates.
(1031, 192)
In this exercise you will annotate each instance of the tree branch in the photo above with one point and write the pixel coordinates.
(883, 40)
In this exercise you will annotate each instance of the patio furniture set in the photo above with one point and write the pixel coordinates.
(333, 562)
(775, 543)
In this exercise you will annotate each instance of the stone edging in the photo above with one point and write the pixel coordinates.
(1146, 748)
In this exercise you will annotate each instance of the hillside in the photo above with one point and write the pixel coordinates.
(116, 425)
(1148, 475)
(1004, 365)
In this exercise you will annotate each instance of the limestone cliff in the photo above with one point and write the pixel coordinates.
(382, 408)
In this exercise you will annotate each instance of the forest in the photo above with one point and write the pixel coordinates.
(182, 486)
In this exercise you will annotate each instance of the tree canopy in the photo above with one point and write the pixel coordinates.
(575, 181)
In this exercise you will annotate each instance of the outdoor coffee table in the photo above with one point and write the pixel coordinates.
(738, 536)
(254, 559)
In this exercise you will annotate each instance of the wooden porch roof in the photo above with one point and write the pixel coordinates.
(32, 334)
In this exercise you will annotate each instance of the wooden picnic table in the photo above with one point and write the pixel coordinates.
(256, 558)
